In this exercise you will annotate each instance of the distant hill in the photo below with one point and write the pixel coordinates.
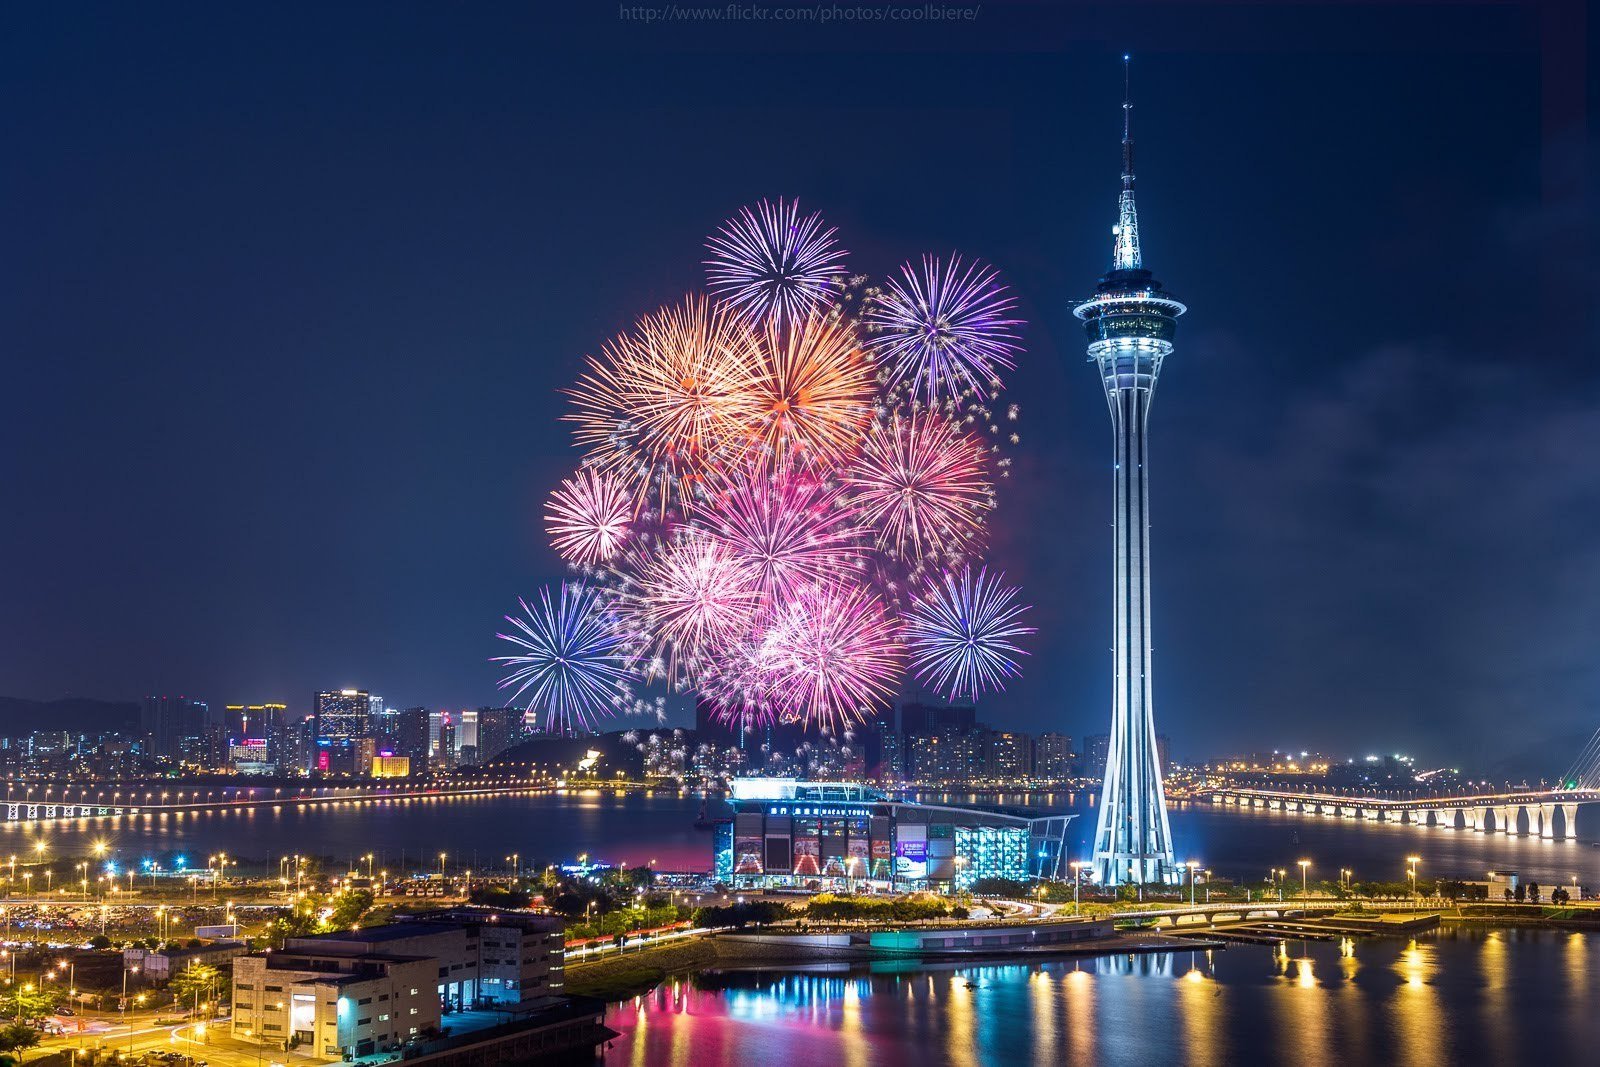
(19, 716)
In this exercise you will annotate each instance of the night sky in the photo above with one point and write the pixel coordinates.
(286, 299)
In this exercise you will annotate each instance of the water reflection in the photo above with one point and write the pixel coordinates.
(1433, 1000)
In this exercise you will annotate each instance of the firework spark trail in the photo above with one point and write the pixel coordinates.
(945, 330)
(662, 404)
(962, 634)
(767, 262)
(588, 517)
(921, 486)
(571, 665)
(791, 528)
(695, 598)
(813, 392)
(834, 655)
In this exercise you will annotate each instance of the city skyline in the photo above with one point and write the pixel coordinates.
(205, 512)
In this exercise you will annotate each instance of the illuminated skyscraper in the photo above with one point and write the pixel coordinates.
(1131, 321)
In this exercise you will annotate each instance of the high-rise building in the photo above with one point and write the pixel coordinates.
(345, 713)
(948, 756)
(891, 754)
(175, 727)
(931, 718)
(1008, 755)
(412, 737)
(441, 740)
(1131, 321)
(498, 730)
(1052, 756)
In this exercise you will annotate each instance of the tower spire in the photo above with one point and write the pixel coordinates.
(1125, 255)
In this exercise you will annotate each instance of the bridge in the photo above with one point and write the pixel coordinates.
(1548, 813)
(1551, 814)
(60, 806)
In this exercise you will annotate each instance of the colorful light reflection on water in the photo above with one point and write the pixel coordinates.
(1449, 997)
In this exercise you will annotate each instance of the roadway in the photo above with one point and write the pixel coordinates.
(210, 1041)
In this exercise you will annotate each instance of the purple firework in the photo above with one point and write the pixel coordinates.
(962, 634)
(946, 330)
(768, 262)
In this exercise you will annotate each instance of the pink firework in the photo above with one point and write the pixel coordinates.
(696, 598)
(921, 485)
(768, 262)
(587, 517)
(832, 655)
(790, 528)
(946, 331)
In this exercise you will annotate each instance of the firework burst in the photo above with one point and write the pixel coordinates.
(790, 528)
(570, 664)
(946, 330)
(920, 485)
(764, 497)
(812, 393)
(962, 634)
(832, 655)
(694, 599)
(768, 262)
(588, 516)
(661, 405)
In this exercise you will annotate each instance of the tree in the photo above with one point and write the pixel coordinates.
(18, 1037)
(348, 908)
(1533, 892)
(27, 1003)
(1521, 893)
(199, 983)
(1508, 894)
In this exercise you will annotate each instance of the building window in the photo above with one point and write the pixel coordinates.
(364, 1000)
(383, 1018)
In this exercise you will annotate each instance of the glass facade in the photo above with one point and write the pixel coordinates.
(990, 852)
(822, 839)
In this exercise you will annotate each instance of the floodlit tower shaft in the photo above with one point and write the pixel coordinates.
(1131, 322)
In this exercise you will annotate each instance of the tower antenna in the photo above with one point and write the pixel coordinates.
(1126, 251)
(1127, 115)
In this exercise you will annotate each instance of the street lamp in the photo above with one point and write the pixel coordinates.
(1411, 871)
(1304, 864)
(1077, 877)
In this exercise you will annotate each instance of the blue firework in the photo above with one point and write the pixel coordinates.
(962, 634)
(571, 667)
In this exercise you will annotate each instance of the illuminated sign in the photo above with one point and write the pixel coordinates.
(911, 859)
(820, 810)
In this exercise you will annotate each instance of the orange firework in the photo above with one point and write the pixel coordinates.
(661, 404)
(813, 393)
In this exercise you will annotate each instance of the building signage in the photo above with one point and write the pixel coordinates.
(911, 859)
(820, 810)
